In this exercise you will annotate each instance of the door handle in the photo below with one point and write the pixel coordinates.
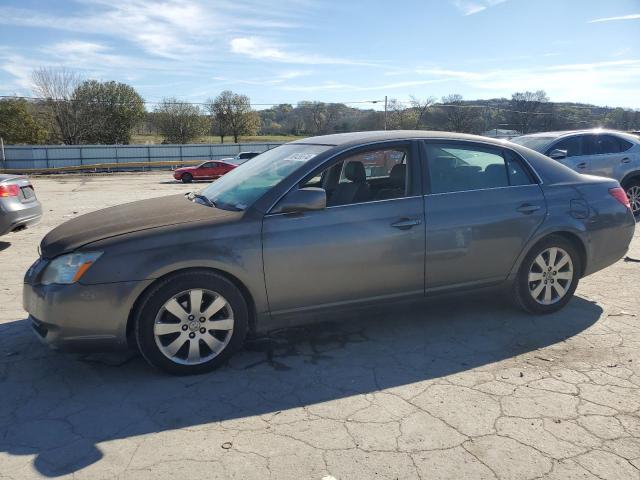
(582, 165)
(626, 160)
(528, 209)
(406, 223)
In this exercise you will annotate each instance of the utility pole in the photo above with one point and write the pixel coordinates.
(385, 112)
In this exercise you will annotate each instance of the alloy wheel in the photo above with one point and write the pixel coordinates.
(193, 326)
(633, 194)
(550, 276)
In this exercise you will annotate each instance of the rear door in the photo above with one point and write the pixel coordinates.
(609, 155)
(482, 206)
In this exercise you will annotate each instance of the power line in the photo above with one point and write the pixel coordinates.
(149, 102)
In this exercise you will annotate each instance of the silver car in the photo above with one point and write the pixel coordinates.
(608, 153)
(19, 207)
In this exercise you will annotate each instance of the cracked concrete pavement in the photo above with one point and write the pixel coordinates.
(450, 389)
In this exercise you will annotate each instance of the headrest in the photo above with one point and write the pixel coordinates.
(354, 171)
(398, 174)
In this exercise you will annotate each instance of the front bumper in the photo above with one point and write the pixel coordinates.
(24, 216)
(80, 317)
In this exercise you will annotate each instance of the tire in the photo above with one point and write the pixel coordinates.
(187, 178)
(525, 290)
(632, 189)
(169, 335)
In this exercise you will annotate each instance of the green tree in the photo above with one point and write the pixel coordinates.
(18, 125)
(232, 115)
(179, 122)
(109, 111)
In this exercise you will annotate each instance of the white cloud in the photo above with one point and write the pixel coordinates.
(633, 16)
(261, 49)
(169, 28)
(470, 7)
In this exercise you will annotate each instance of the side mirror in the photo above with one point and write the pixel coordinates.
(558, 154)
(302, 200)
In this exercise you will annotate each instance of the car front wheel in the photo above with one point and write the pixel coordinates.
(187, 178)
(191, 322)
(548, 276)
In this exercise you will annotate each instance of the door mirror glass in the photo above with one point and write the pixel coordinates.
(558, 154)
(302, 200)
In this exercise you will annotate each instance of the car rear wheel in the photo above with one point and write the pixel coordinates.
(548, 276)
(191, 322)
(187, 178)
(632, 189)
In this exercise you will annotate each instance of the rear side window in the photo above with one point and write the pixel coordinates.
(624, 144)
(606, 144)
(573, 146)
(518, 174)
(456, 168)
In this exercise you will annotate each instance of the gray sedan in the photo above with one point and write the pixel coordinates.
(19, 207)
(598, 152)
(316, 227)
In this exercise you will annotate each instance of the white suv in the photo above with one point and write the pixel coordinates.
(608, 153)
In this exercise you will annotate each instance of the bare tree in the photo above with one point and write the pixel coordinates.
(460, 117)
(57, 87)
(525, 108)
(420, 107)
(399, 117)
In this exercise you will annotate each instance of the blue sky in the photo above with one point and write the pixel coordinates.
(289, 50)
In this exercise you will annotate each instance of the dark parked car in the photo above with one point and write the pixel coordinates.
(303, 232)
(599, 152)
(205, 171)
(19, 207)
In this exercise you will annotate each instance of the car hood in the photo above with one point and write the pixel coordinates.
(127, 218)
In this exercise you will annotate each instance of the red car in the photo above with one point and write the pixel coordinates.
(205, 171)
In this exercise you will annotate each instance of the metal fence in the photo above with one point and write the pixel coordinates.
(42, 157)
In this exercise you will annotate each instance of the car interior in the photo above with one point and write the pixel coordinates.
(364, 177)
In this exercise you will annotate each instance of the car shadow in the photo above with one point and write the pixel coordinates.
(60, 407)
(4, 245)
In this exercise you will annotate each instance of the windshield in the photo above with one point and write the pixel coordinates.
(243, 185)
(534, 142)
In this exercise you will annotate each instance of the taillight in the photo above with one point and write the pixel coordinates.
(619, 194)
(9, 190)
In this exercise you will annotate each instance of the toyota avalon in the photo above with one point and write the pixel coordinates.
(314, 227)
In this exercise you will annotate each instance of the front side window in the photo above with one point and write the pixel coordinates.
(241, 187)
(573, 146)
(457, 168)
(372, 175)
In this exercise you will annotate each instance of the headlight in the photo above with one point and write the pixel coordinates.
(69, 268)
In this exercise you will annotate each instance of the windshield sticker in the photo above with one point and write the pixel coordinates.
(300, 157)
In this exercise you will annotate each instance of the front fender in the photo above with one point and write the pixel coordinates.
(234, 249)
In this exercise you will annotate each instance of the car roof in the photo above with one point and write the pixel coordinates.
(563, 133)
(340, 139)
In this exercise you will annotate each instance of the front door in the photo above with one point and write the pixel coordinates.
(577, 158)
(482, 207)
(366, 245)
